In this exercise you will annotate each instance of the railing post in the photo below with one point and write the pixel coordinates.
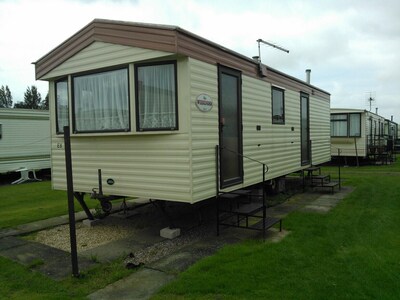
(217, 184)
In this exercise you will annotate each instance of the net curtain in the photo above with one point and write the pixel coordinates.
(102, 101)
(156, 95)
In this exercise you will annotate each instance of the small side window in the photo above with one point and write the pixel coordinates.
(1, 131)
(278, 106)
(62, 115)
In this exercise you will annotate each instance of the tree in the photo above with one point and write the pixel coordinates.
(32, 99)
(45, 103)
(5, 97)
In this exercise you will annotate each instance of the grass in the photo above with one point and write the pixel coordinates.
(34, 201)
(29, 202)
(349, 253)
(19, 282)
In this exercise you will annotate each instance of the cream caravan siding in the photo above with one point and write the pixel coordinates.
(151, 165)
(204, 129)
(359, 145)
(100, 55)
(320, 130)
(275, 144)
(347, 145)
(25, 139)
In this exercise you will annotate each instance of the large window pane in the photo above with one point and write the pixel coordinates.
(278, 106)
(101, 101)
(355, 125)
(62, 105)
(156, 97)
(339, 125)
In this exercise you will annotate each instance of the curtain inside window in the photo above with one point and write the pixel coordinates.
(338, 125)
(156, 97)
(355, 125)
(62, 105)
(102, 101)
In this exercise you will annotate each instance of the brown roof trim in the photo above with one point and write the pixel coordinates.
(164, 38)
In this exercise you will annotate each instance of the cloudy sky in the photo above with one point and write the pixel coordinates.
(352, 47)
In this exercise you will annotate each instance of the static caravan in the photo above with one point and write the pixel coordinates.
(147, 104)
(24, 139)
(356, 132)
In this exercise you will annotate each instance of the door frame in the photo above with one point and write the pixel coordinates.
(238, 74)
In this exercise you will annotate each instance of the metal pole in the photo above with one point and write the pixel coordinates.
(264, 204)
(340, 182)
(355, 145)
(71, 211)
(217, 184)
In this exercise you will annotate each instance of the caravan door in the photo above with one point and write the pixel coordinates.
(230, 126)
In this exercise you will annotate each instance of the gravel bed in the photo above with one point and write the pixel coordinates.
(108, 230)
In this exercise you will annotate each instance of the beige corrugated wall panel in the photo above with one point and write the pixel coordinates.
(149, 166)
(100, 55)
(204, 129)
(320, 130)
(275, 144)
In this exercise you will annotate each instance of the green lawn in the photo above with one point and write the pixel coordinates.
(350, 253)
(24, 203)
(29, 202)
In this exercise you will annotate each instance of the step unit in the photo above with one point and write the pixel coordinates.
(244, 209)
(315, 179)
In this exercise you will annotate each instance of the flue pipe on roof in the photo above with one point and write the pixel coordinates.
(308, 75)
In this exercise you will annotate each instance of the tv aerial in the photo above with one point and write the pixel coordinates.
(371, 99)
(259, 41)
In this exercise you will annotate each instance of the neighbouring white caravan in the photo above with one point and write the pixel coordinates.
(24, 139)
(357, 132)
(147, 104)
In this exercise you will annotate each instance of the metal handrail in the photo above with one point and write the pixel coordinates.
(245, 156)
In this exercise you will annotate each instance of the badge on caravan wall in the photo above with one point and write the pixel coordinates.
(204, 102)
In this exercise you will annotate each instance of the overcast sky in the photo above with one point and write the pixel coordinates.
(352, 47)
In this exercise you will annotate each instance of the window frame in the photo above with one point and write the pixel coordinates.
(279, 122)
(348, 120)
(96, 72)
(137, 105)
(64, 79)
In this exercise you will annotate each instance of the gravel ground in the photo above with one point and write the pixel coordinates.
(109, 229)
(113, 228)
